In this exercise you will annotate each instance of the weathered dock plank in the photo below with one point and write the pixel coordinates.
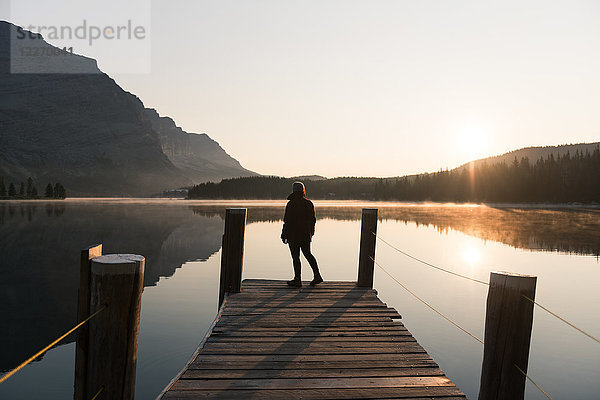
(333, 341)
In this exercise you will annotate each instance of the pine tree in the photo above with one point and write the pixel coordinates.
(34, 192)
(2, 188)
(22, 190)
(49, 192)
(59, 191)
(29, 186)
(12, 192)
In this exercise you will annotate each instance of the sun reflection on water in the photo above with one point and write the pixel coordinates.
(472, 255)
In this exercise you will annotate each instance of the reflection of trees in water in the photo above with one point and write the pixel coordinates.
(39, 263)
(568, 230)
(571, 230)
(40, 259)
(28, 209)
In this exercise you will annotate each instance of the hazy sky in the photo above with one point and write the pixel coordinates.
(371, 88)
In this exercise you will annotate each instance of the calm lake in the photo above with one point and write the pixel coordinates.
(39, 277)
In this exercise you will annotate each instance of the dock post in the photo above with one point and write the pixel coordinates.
(116, 283)
(368, 230)
(508, 323)
(232, 252)
(83, 311)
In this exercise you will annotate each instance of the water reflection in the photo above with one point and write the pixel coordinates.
(39, 273)
(471, 255)
(40, 243)
(567, 229)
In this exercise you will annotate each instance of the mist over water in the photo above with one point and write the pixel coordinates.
(39, 278)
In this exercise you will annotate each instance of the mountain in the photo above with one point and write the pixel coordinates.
(309, 178)
(535, 153)
(197, 155)
(532, 153)
(65, 120)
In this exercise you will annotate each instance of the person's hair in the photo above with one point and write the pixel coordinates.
(298, 187)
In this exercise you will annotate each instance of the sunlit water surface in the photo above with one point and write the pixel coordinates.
(40, 243)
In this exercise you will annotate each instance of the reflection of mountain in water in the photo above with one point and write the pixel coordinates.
(572, 230)
(39, 265)
(40, 243)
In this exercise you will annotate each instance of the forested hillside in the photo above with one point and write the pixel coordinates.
(566, 178)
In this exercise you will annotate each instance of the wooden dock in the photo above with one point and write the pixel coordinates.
(271, 341)
(333, 341)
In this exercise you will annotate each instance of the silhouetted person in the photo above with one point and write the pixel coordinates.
(298, 230)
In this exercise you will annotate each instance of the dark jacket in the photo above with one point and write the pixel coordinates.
(299, 220)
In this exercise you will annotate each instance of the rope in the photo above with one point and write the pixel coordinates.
(562, 319)
(39, 353)
(457, 325)
(428, 264)
(97, 393)
(531, 380)
(485, 283)
(427, 304)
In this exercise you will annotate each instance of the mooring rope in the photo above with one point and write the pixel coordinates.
(97, 393)
(532, 381)
(429, 264)
(562, 319)
(427, 304)
(486, 283)
(455, 323)
(39, 353)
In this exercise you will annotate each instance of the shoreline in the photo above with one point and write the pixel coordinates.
(269, 203)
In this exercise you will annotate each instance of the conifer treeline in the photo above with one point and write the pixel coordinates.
(29, 191)
(566, 178)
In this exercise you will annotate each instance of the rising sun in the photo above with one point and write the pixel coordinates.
(472, 142)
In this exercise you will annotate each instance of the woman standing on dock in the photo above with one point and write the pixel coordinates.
(298, 229)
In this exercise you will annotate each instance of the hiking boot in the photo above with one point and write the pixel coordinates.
(316, 281)
(295, 283)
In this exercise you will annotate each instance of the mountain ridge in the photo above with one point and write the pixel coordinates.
(81, 128)
(197, 154)
(534, 153)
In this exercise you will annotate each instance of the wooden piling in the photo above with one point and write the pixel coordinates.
(232, 252)
(367, 247)
(508, 323)
(83, 311)
(116, 282)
